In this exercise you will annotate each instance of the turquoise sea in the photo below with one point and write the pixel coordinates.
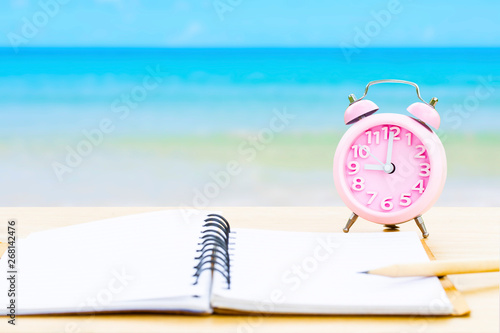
(157, 127)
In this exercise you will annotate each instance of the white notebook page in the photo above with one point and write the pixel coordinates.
(129, 262)
(297, 272)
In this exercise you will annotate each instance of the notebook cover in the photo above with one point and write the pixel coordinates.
(460, 307)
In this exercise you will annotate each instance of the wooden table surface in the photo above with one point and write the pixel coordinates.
(454, 233)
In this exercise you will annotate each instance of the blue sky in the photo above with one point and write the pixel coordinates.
(243, 23)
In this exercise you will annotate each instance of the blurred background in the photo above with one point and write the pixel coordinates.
(232, 102)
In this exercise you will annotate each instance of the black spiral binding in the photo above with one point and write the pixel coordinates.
(214, 248)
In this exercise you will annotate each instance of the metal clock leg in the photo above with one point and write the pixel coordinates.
(350, 222)
(420, 223)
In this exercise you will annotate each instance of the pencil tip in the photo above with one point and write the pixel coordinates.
(365, 272)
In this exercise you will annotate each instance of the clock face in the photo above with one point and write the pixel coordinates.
(387, 168)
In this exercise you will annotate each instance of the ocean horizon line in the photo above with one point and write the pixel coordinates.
(215, 48)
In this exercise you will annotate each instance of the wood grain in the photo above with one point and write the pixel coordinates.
(455, 233)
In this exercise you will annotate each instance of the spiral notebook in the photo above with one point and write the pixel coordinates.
(194, 262)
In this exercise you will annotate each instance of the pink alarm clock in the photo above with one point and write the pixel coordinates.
(390, 168)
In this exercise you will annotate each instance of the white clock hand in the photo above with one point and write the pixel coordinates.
(368, 151)
(374, 167)
(389, 149)
(389, 168)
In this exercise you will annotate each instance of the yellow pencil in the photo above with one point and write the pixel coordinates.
(438, 268)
